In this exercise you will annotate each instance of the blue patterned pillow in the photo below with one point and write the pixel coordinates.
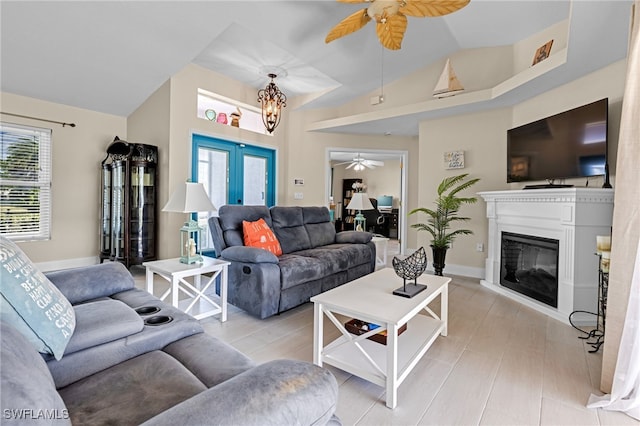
(32, 304)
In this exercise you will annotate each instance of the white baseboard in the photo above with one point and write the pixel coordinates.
(57, 265)
(453, 269)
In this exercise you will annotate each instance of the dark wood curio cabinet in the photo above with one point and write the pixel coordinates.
(128, 222)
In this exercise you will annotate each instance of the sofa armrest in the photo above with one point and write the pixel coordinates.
(281, 392)
(353, 237)
(248, 255)
(91, 282)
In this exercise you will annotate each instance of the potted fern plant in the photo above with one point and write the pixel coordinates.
(441, 219)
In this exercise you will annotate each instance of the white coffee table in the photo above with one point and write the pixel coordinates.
(370, 299)
(199, 305)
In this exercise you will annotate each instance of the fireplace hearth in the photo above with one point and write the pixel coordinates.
(529, 265)
(556, 279)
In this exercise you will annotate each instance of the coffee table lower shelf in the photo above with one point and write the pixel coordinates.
(421, 332)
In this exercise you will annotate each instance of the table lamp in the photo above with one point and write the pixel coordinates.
(360, 201)
(190, 197)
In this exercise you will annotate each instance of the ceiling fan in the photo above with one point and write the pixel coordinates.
(391, 17)
(360, 163)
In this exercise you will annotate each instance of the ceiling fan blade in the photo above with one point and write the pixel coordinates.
(391, 31)
(374, 163)
(340, 164)
(350, 166)
(368, 166)
(422, 8)
(350, 24)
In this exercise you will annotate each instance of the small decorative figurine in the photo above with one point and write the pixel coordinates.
(235, 117)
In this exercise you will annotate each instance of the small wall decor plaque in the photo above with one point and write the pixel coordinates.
(298, 181)
(543, 52)
(454, 160)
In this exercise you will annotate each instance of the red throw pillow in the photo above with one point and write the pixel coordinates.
(258, 234)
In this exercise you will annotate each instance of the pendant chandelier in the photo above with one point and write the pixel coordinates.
(272, 101)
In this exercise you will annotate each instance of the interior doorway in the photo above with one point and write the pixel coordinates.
(384, 174)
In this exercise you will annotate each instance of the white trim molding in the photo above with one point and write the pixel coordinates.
(573, 217)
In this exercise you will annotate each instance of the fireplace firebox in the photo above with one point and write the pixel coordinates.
(529, 265)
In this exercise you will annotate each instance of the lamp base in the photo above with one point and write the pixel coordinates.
(409, 290)
(191, 259)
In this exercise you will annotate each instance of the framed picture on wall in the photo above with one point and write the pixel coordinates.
(543, 52)
(454, 160)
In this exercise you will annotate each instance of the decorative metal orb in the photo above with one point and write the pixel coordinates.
(411, 267)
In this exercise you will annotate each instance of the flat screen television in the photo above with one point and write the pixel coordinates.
(571, 144)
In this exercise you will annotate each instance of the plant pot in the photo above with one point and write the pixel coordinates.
(439, 254)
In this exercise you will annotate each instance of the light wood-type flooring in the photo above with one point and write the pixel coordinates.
(501, 364)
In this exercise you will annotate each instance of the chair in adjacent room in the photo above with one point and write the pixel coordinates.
(375, 220)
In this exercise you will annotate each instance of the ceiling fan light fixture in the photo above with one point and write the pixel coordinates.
(272, 101)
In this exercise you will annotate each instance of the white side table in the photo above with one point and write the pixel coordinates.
(381, 250)
(199, 305)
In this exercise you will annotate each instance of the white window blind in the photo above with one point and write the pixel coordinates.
(25, 182)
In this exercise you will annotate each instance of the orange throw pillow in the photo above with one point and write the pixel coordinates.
(258, 234)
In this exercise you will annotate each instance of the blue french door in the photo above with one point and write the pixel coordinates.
(232, 173)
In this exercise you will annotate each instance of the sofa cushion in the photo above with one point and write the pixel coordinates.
(319, 226)
(258, 234)
(296, 269)
(32, 303)
(230, 218)
(101, 322)
(131, 392)
(353, 237)
(92, 282)
(197, 353)
(288, 225)
(26, 384)
(342, 256)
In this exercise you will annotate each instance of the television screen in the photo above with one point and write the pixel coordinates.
(566, 145)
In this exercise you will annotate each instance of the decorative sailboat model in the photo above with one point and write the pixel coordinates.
(448, 84)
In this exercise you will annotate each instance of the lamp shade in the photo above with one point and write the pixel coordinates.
(189, 197)
(360, 201)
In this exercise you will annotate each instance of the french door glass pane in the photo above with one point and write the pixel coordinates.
(213, 167)
(255, 181)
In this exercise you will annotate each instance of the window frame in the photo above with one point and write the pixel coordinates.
(36, 230)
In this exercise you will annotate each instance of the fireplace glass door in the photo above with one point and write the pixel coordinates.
(529, 265)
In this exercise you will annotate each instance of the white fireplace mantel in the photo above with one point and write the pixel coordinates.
(574, 217)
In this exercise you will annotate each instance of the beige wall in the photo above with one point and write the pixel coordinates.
(150, 124)
(384, 180)
(482, 136)
(307, 158)
(169, 117)
(77, 154)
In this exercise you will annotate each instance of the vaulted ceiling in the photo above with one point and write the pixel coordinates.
(110, 56)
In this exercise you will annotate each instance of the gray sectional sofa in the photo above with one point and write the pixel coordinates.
(315, 258)
(123, 365)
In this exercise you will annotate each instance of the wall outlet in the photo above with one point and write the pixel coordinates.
(480, 247)
(297, 196)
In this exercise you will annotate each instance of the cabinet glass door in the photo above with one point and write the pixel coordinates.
(105, 219)
(142, 213)
(117, 210)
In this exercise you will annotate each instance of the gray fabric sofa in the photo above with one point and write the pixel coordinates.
(120, 369)
(315, 258)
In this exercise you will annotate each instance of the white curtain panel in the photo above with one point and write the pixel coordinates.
(625, 389)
